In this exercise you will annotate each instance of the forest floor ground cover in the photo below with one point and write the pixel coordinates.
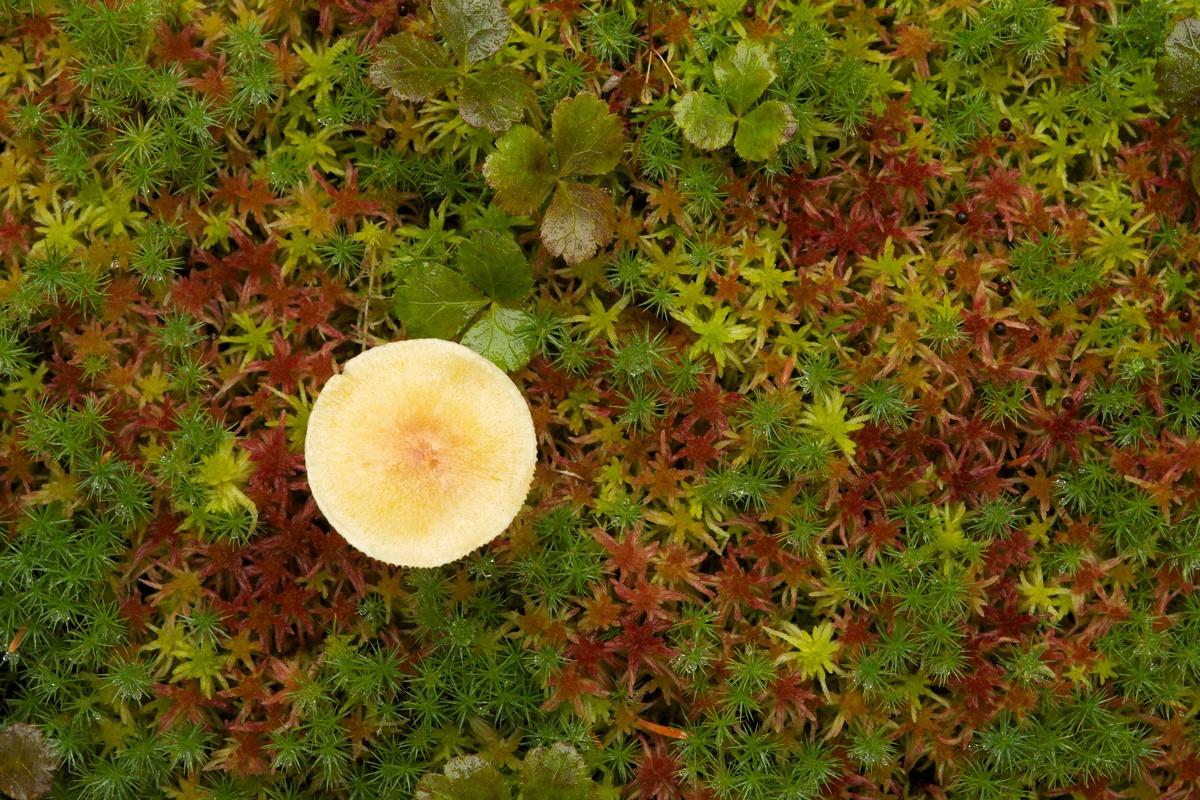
(858, 339)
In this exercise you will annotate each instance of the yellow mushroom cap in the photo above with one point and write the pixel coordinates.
(420, 452)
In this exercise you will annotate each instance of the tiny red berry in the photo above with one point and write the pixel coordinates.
(748, 11)
(864, 348)
(1004, 288)
(668, 244)
(1185, 315)
(999, 329)
(1005, 125)
(1068, 402)
(962, 217)
(389, 134)
(951, 274)
(868, 134)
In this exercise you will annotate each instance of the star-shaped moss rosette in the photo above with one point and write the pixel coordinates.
(741, 74)
(437, 301)
(416, 69)
(420, 452)
(585, 140)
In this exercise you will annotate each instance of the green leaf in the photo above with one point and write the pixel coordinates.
(760, 132)
(705, 120)
(557, 773)
(496, 337)
(495, 265)
(465, 778)
(1178, 72)
(743, 73)
(495, 98)
(589, 139)
(580, 219)
(474, 29)
(520, 170)
(413, 68)
(435, 302)
(26, 762)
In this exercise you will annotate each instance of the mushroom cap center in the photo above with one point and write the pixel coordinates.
(424, 450)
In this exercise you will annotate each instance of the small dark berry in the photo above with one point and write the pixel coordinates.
(402, 9)
(951, 274)
(1004, 288)
(389, 134)
(668, 244)
(864, 348)
(1012, 137)
(1006, 125)
(868, 134)
(1185, 315)
(748, 11)
(962, 217)
(999, 329)
(1068, 402)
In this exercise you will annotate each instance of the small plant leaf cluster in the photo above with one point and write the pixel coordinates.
(416, 69)
(741, 75)
(1178, 72)
(587, 140)
(26, 762)
(547, 773)
(438, 302)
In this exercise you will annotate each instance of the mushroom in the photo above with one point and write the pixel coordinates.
(420, 452)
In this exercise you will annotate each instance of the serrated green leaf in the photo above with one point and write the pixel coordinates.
(760, 132)
(413, 68)
(704, 120)
(1178, 72)
(589, 140)
(495, 98)
(496, 337)
(495, 265)
(557, 773)
(474, 29)
(26, 762)
(520, 170)
(465, 778)
(436, 302)
(580, 219)
(743, 72)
